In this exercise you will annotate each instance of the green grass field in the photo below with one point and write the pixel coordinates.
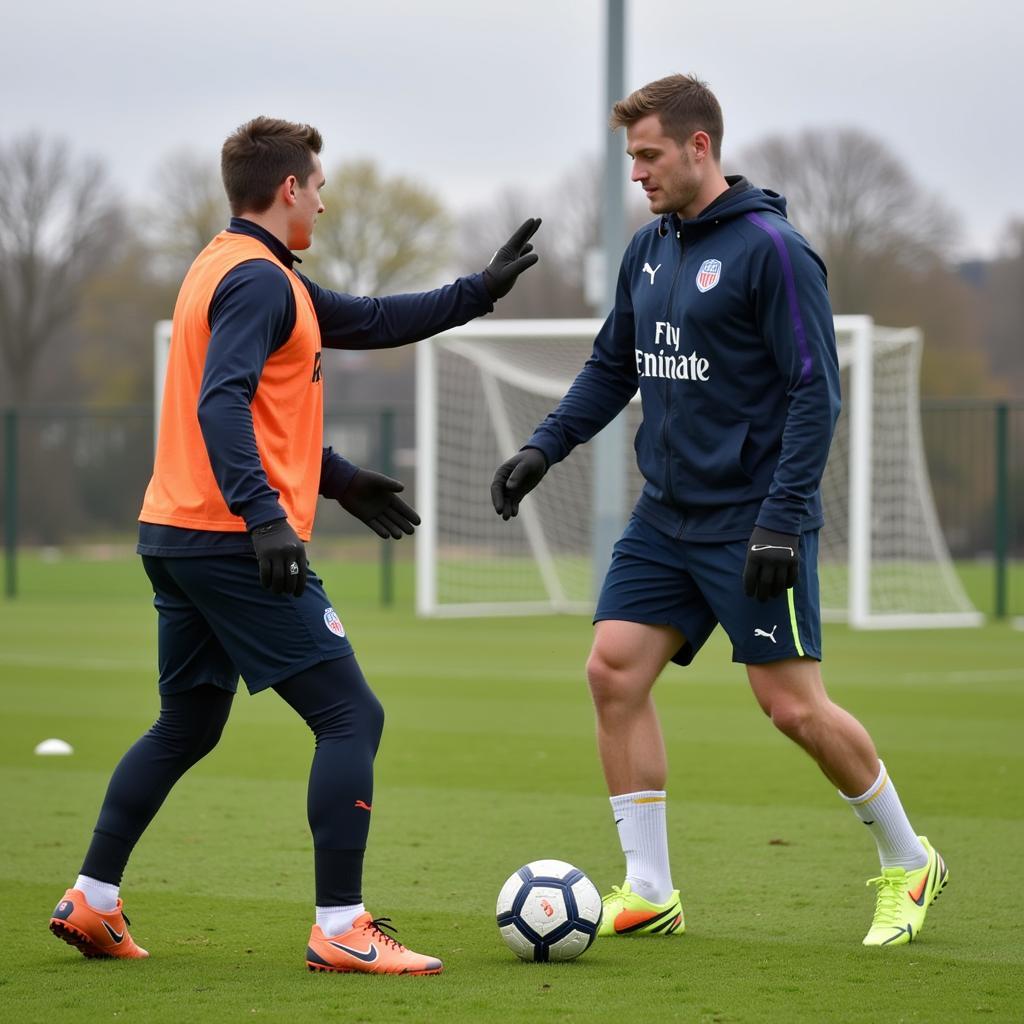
(487, 762)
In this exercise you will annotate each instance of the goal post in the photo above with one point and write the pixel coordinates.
(161, 352)
(539, 584)
(883, 524)
(482, 388)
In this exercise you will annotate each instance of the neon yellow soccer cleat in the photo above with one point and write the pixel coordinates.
(625, 913)
(904, 898)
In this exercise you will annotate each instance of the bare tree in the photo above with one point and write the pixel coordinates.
(191, 208)
(576, 221)
(576, 215)
(110, 346)
(886, 243)
(58, 222)
(571, 211)
(856, 203)
(555, 286)
(483, 229)
(378, 234)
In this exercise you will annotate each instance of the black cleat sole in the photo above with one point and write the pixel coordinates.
(73, 937)
(324, 969)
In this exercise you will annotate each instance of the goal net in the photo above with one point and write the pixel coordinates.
(481, 390)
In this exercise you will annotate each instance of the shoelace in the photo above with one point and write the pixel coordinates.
(890, 898)
(617, 891)
(380, 923)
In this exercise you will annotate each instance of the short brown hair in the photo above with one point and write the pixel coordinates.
(684, 104)
(259, 155)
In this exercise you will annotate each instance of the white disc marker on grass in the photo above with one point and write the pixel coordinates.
(54, 746)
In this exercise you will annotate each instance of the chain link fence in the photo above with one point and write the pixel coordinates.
(75, 477)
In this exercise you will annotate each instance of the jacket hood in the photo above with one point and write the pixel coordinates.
(740, 198)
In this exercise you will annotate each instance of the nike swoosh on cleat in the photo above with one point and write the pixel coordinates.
(367, 956)
(919, 896)
(632, 925)
(900, 931)
(116, 936)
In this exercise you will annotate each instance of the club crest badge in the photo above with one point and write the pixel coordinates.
(708, 275)
(333, 623)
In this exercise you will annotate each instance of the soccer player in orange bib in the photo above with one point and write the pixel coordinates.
(239, 467)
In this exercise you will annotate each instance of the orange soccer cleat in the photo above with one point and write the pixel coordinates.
(366, 947)
(94, 933)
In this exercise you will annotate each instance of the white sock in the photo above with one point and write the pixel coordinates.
(880, 809)
(338, 920)
(99, 895)
(640, 818)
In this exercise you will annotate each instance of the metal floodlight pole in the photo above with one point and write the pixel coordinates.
(11, 503)
(387, 467)
(610, 444)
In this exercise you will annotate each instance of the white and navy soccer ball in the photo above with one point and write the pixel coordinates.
(548, 910)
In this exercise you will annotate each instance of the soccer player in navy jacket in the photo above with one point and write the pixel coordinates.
(722, 320)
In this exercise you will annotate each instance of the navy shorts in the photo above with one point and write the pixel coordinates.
(661, 581)
(217, 622)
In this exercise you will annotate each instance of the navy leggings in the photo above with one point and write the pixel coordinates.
(346, 718)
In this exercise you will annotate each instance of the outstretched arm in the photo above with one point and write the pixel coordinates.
(357, 322)
(602, 389)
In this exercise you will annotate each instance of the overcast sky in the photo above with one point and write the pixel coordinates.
(471, 96)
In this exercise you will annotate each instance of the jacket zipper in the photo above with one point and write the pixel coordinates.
(669, 492)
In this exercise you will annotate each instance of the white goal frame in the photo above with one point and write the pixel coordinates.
(861, 339)
(161, 352)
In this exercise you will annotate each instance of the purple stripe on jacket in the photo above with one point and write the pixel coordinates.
(794, 306)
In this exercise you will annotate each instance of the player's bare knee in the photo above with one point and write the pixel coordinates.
(603, 677)
(792, 718)
(611, 682)
(599, 674)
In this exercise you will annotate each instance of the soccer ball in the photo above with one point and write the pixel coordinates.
(548, 910)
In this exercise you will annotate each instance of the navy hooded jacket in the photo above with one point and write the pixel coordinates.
(723, 322)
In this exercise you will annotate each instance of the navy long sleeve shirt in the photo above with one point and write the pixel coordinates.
(251, 315)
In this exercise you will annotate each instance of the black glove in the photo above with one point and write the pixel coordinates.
(282, 557)
(515, 256)
(373, 498)
(514, 479)
(772, 563)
